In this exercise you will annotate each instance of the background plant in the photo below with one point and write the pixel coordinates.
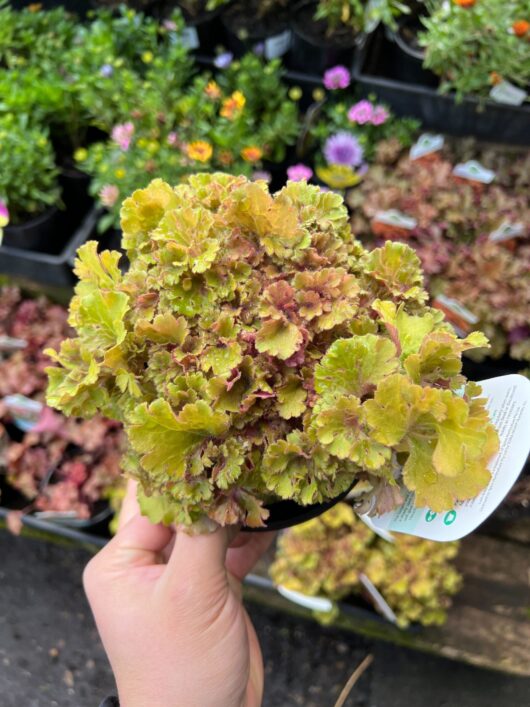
(473, 47)
(359, 15)
(28, 176)
(326, 556)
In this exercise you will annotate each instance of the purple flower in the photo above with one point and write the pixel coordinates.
(298, 172)
(4, 214)
(106, 71)
(108, 195)
(122, 135)
(223, 61)
(263, 175)
(337, 77)
(361, 113)
(344, 149)
(172, 139)
(170, 25)
(380, 115)
(259, 49)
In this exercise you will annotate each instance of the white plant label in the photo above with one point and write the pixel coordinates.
(508, 402)
(384, 534)
(9, 343)
(378, 599)
(507, 231)
(474, 171)
(506, 92)
(26, 412)
(426, 145)
(393, 217)
(313, 603)
(189, 38)
(278, 45)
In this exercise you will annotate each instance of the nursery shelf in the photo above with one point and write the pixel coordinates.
(488, 625)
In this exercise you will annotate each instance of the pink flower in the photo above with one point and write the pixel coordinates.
(108, 195)
(4, 214)
(380, 115)
(298, 172)
(337, 77)
(172, 139)
(122, 135)
(261, 174)
(361, 113)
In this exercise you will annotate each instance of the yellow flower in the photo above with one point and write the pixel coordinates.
(119, 173)
(142, 142)
(338, 176)
(212, 90)
(200, 151)
(225, 157)
(147, 57)
(35, 7)
(295, 93)
(153, 146)
(233, 105)
(318, 94)
(252, 154)
(80, 154)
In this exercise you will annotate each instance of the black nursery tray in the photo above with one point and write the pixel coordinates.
(375, 71)
(47, 268)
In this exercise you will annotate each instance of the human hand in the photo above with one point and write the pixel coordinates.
(169, 612)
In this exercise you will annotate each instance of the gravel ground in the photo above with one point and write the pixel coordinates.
(51, 656)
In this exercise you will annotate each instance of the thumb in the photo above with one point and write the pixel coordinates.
(199, 555)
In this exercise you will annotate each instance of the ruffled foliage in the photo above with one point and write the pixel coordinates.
(255, 352)
(326, 556)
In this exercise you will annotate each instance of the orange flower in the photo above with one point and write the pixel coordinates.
(464, 3)
(233, 105)
(495, 78)
(212, 90)
(521, 27)
(251, 154)
(200, 151)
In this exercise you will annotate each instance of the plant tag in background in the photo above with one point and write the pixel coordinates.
(8, 343)
(508, 402)
(393, 217)
(378, 599)
(474, 172)
(506, 92)
(507, 231)
(313, 603)
(189, 38)
(26, 412)
(278, 45)
(462, 320)
(426, 145)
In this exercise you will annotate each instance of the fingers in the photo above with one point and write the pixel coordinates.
(246, 551)
(130, 506)
(199, 555)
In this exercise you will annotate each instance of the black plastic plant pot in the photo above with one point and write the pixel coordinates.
(34, 234)
(312, 52)
(245, 32)
(285, 514)
(406, 57)
(204, 32)
(49, 268)
(485, 120)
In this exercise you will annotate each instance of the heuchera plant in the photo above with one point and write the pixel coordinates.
(255, 352)
(325, 556)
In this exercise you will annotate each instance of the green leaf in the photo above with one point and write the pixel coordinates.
(291, 398)
(165, 329)
(166, 440)
(352, 366)
(102, 315)
(279, 338)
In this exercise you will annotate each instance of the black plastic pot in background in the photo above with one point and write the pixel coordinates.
(405, 57)
(40, 233)
(204, 32)
(49, 268)
(75, 195)
(245, 31)
(312, 52)
(483, 119)
(285, 514)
